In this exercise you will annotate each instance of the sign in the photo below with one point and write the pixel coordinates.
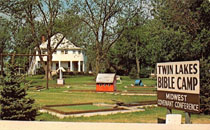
(178, 85)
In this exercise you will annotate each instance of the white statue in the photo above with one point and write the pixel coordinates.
(60, 80)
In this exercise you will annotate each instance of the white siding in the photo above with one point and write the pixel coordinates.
(65, 57)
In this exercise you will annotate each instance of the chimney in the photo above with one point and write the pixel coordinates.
(43, 38)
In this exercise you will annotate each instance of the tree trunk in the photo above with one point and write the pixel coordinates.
(49, 71)
(97, 62)
(137, 61)
(97, 58)
(49, 63)
(138, 67)
(2, 64)
(1, 59)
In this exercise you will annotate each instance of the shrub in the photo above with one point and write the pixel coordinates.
(14, 103)
(40, 71)
(54, 77)
(205, 85)
(145, 73)
(133, 73)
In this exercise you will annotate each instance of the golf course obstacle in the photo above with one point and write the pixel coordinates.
(105, 110)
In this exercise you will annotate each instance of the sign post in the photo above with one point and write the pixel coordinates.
(187, 118)
(178, 86)
(169, 111)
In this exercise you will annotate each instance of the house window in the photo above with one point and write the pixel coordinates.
(79, 52)
(66, 51)
(62, 51)
(55, 52)
(74, 52)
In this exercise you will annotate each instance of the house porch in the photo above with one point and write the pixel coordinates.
(69, 66)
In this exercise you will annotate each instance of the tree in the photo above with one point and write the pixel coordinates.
(134, 36)
(189, 17)
(22, 44)
(41, 17)
(79, 35)
(205, 87)
(14, 103)
(186, 25)
(120, 57)
(106, 20)
(4, 37)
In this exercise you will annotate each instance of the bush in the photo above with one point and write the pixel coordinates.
(14, 103)
(145, 73)
(40, 71)
(1, 80)
(68, 73)
(133, 73)
(205, 86)
(54, 77)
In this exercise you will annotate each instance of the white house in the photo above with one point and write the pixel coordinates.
(67, 55)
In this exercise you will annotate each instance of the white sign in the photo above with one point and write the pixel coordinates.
(181, 77)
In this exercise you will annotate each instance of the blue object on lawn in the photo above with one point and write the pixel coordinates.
(141, 84)
(138, 82)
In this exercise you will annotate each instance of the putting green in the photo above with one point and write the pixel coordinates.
(79, 108)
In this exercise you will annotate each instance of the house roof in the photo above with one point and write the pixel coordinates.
(65, 44)
(105, 78)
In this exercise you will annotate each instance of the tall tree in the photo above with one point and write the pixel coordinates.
(106, 20)
(4, 34)
(41, 18)
(120, 57)
(4, 38)
(189, 17)
(134, 36)
(22, 42)
(186, 25)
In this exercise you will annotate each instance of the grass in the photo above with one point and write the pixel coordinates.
(87, 82)
(79, 108)
(149, 116)
(64, 95)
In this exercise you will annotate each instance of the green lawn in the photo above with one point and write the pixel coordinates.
(88, 82)
(64, 95)
(79, 108)
(149, 116)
